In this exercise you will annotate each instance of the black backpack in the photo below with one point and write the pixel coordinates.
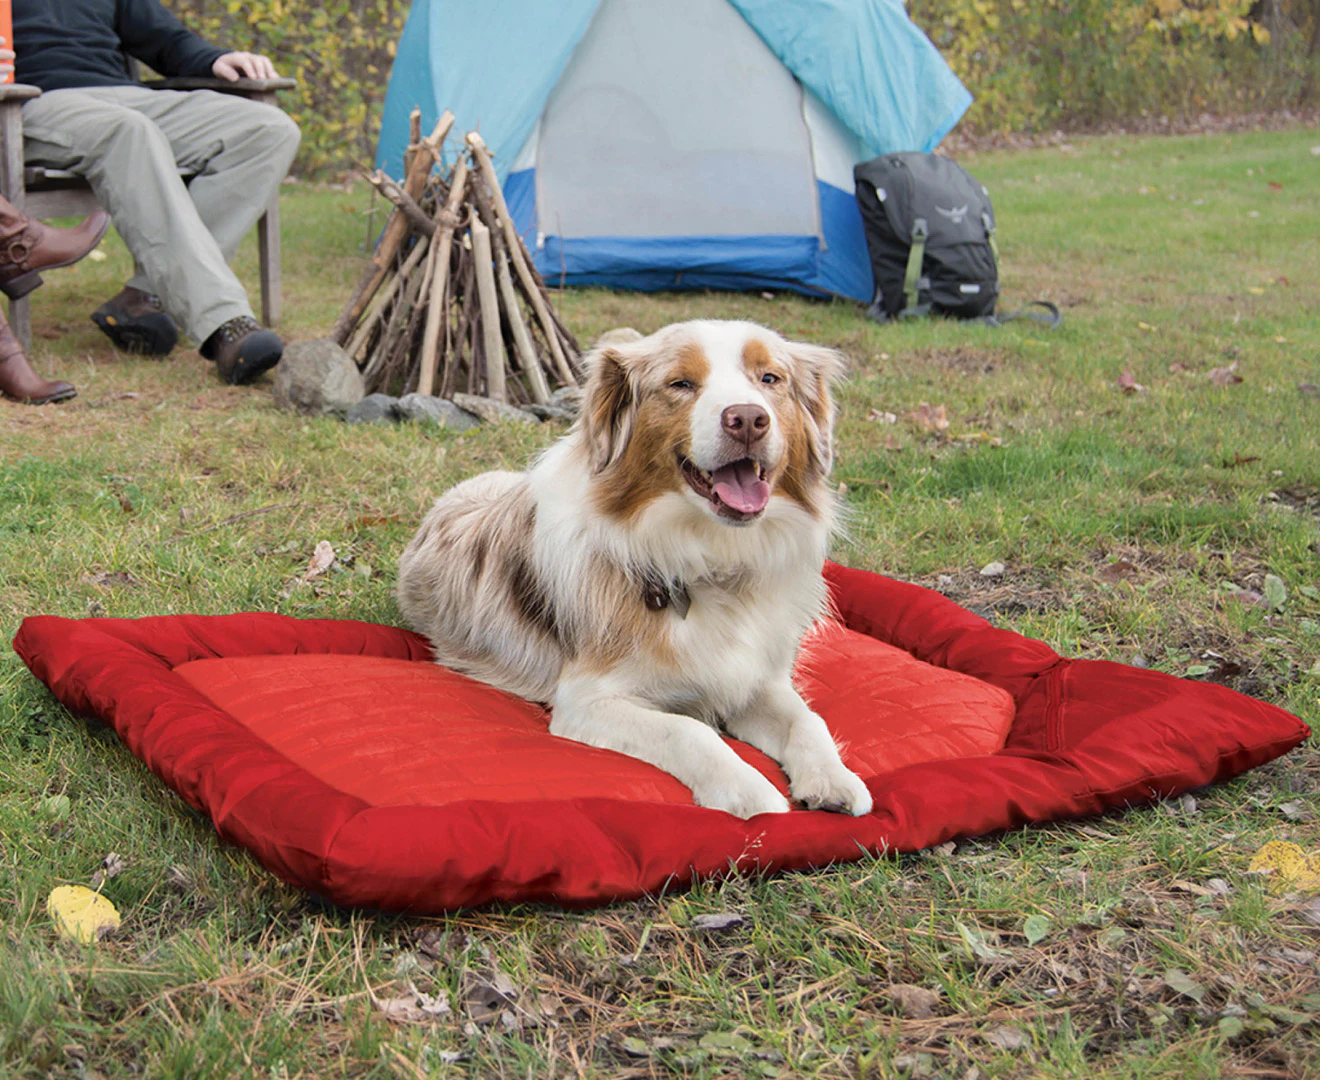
(930, 231)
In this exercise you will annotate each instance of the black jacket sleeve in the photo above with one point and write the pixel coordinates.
(151, 34)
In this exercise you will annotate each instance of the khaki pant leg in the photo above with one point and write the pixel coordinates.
(237, 151)
(101, 134)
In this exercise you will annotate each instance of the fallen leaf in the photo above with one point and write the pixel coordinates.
(323, 557)
(1255, 290)
(977, 944)
(1036, 928)
(1287, 866)
(724, 920)
(414, 1007)
(1145, 326)
(726, 1042)
(1178, 367)
(1240, 459)
(1180, 982)
(993, 569)
(1117, 571)
(487, 994)
(1219, 886)
(1231, 1026)
(80, 914)
(913, 1002)
(1311, 912)
(1128, 384)
(1006, 1037)
(1225, 376)
(1308, 389)
(1275, 186)
(1276, 592)
(111, 867)
(931, 419)
(1296, 811)
(56, 807)
(96, 256)
(882, 417)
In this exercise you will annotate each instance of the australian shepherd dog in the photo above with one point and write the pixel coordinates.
(652, 575)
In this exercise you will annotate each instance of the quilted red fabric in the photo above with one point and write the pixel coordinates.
(350, 769)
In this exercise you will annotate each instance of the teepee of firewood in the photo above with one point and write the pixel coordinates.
(451, 301)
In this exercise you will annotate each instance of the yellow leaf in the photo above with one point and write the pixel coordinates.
(80, 914)
(1288, 866)
(1145, 326)
(1260, 33)
(1255, 290)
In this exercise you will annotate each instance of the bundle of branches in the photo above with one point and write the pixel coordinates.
(451, 301)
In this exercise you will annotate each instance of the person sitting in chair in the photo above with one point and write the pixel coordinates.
(130, 142)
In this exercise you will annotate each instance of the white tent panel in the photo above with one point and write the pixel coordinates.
(834, 148)
(674, 119)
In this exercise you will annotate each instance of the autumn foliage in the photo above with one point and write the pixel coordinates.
(1032, 64)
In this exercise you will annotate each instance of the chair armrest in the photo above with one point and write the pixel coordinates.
(18, 92)
(238, 86)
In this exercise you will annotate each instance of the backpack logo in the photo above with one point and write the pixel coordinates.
(955, 215)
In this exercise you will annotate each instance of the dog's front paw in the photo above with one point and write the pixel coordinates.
(832, 787)
(744, 793)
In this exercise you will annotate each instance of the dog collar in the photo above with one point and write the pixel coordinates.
(658, 595)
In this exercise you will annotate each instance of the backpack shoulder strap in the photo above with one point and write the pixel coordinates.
(916, 255)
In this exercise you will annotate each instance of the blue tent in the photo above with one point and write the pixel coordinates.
(658, 144)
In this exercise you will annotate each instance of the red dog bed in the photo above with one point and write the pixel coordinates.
(351, 766)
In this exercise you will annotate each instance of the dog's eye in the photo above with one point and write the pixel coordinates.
(681, 384)
(770, 378)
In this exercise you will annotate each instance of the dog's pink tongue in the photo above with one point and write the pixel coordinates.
(740, 488)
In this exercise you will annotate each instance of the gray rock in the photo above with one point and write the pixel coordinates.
(550, 412)
(494, 412)
(374, 409)
(317, 378)
(567, 397)
(425, 409)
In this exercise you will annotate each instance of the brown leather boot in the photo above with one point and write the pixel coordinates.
(27, 246)
(18, 381)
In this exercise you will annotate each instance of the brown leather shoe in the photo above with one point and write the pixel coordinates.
(27, 246)
(242, 350)
(18, 381)
(137, 322)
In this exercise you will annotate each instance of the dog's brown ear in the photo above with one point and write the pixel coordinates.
(816, 370)
(608, 407)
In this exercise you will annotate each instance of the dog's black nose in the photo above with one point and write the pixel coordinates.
(746, 423)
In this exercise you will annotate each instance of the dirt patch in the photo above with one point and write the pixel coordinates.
(961, 358)
(1299, 497)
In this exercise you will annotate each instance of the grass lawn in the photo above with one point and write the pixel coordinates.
(1134, 526)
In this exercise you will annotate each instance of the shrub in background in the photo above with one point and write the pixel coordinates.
(1032, 64)
(340, 52)
(1043, 64)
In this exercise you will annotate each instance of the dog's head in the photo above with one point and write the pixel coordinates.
(726, 415)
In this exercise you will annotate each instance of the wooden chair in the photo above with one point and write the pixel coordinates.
(50, 193)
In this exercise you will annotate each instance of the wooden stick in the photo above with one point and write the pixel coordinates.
(522, 341)
(440, 272)
(482, 157)
(414, 138)
(396, 230)
(492, 343)
(384, 297)
(400, 198)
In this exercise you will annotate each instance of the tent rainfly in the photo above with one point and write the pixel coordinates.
(660, 144)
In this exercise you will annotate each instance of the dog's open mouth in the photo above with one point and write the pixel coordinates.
(738, 490)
